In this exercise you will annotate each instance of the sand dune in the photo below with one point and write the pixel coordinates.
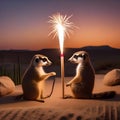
(56, 108)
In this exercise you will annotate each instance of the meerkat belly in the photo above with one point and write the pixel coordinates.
(31, 91)
(84, 88)
(79, 90)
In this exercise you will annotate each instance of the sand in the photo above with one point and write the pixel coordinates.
(56, 108)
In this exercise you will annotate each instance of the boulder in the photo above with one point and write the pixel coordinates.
(112, 78)
(7, 86)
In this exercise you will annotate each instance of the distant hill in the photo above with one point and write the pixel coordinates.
(104, 58)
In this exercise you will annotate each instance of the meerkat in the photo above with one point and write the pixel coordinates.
(34, 78)
(83, 82)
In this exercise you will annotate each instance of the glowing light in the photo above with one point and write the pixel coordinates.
(61, 28)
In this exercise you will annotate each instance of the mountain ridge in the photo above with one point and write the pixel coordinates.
(104, 58)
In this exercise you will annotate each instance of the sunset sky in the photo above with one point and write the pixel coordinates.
(24, 23)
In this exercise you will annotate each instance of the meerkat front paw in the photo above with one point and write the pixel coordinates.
(40, 100)
(53, 73)
(68, 84)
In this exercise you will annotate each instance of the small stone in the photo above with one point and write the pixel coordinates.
(7, 86)
(112, 78)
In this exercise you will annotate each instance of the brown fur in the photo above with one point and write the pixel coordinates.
(83, 82)
(34, 77)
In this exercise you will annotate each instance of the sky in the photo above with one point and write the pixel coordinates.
(24, 23)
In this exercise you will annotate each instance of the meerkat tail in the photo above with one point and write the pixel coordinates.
(51, 90)
(104, 95)
(19, 97)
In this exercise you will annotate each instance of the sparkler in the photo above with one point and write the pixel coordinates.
(61, 28)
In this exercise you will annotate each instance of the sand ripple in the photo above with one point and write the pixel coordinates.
(99, 112)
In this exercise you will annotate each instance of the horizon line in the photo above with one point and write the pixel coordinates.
(59, 48)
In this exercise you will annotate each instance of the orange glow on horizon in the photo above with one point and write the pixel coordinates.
(36, 37)
(26, 26)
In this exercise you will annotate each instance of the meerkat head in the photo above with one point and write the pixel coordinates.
(40, 60)
(79, 57)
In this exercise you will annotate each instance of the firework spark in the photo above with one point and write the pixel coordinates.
(62, 27)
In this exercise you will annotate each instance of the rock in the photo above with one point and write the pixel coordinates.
(112, 78)
(7, 86)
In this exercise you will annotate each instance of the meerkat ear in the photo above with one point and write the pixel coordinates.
(37, 59)
(84, 56)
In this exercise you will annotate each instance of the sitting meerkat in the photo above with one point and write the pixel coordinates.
(34, 78)
(83, 82)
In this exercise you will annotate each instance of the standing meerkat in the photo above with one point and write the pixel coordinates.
(83, 83)
(34, 77)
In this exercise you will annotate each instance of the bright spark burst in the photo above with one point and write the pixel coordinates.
(61, 27)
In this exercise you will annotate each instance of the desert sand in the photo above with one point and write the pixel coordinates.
(56, 108)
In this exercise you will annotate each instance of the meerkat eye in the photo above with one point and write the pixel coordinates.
(44, 59)
(75, 56)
